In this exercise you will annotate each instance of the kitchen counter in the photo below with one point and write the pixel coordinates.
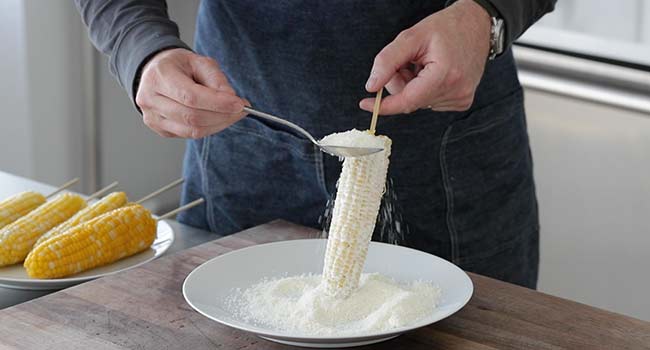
(144, 308)
(186, 236)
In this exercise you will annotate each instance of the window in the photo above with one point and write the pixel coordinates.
(617, 30)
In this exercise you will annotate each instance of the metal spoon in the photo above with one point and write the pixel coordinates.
(339, 151)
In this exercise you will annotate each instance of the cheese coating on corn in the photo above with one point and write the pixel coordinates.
(360, 190)
(107, 238)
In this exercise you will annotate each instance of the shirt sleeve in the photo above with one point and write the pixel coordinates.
(518, 15)
(129, 32)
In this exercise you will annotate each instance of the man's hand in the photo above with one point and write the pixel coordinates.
(437, 64)
(183, 94)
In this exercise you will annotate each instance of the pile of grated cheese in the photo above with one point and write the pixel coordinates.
(352, 138)
(297, 305)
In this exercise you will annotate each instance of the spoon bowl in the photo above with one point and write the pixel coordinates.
(337, 151)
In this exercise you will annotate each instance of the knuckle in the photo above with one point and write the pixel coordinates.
(189, 116)
(407, 34)
(454, 76)
(380, 59)
(187, 98)
(207, 61)
(140, 98)
(157, 69)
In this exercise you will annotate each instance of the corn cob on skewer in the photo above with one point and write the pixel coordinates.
(107, 238)
(112, 201)
(18, 238)
(360, 189)
(17, 206)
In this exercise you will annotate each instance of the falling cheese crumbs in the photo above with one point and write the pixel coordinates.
(342, 301)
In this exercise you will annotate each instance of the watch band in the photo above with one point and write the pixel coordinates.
(497, 30)
(487, 5)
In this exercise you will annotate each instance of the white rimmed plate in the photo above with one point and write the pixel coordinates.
(15, 276)
(208, 286)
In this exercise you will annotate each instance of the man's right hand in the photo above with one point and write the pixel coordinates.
(186, 95)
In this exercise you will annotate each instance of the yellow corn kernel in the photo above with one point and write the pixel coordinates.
(17, 206)
(112, 201)
(358, 197)
(107, 238)
(18, 238)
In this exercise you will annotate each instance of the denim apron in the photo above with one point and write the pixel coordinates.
(463, 180)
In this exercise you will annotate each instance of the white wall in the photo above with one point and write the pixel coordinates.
(128, 151)
(55, 90)
(16, 150)
(54, 93)
(592, 169)
(41, 91)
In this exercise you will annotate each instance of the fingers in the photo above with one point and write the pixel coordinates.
(171, 109)
(417, 93)
(171, 119)
(188, 131)
(180, 87)
(391, 58)
(206, 71)
(168, 127)
(397, 83)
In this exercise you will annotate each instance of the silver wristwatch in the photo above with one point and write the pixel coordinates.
(497, 38)
(498, 30)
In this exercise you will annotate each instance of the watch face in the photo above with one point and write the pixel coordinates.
(499, 36)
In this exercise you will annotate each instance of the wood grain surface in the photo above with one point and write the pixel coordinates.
(144, 309)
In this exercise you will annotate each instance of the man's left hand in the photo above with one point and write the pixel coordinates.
(437, 64)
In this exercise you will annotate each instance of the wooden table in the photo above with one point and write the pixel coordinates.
(144, 309)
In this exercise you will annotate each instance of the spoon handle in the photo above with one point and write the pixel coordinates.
(280, 121)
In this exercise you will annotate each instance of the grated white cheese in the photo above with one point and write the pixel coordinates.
(297, 305)
(353, 138)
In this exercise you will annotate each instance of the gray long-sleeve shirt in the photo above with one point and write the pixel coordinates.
(130, 31)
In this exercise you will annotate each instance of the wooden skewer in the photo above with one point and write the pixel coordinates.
(102, 191)
(161, 190)
(181, 208)
(63, 187)
(375, 111)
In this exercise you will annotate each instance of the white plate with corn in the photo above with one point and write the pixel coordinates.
(16, 277)
(208, 288)
(52, 244)
(317, 283)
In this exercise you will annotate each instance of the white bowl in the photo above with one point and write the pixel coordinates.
(208, 286)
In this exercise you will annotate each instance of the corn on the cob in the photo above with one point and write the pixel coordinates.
(112, 201)
(17, 206)
(18, 238)
(107, 238)
(360, 189)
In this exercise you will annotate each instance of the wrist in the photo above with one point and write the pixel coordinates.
(479, 21)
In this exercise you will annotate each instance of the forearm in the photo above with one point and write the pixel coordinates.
(129, 32)
(519, 15)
